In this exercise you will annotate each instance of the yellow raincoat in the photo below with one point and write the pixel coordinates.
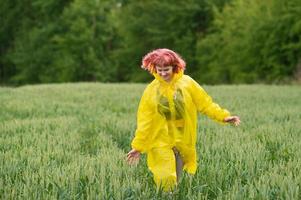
(167, 118)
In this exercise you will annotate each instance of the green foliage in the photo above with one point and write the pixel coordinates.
(155, 24)
(222, 41)
(252, 41)
(25, 50)
(100, 40)
(69, 141)
(11, 15)
(86, 41)
(72, 44)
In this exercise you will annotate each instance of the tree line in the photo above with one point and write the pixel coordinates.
(222, 41)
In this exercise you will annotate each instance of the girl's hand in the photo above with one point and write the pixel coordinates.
(233, 120)
(133, 157)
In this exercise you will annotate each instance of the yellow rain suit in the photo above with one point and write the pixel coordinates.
(167, 118)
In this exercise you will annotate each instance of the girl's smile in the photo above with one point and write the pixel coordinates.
(165, 72)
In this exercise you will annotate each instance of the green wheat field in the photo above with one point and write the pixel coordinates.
(69, 141)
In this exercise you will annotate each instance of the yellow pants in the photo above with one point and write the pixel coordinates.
(162, 163)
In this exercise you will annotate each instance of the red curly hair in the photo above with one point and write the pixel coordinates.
(163, 57)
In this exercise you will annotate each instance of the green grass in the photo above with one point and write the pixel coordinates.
(69, 141)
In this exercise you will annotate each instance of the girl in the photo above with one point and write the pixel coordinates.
(167, 118)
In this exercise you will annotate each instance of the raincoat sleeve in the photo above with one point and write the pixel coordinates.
(144, 123)
(205, 105)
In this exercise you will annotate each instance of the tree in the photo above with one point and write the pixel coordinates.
(252, 41)
(27, 52)
(151, 24)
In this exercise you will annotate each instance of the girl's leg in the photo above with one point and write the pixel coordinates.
(162, 163)
(179, 163)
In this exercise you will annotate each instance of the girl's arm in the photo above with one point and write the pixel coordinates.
(206, 106)
(140, 143)
(145, 117)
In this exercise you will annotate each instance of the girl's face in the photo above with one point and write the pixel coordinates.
(166, 72)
